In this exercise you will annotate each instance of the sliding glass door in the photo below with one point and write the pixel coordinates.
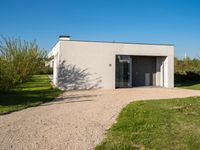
(123, 71)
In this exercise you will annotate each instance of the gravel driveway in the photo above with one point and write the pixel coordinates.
(75, 121)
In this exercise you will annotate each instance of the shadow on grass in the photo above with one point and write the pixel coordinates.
(34, 92)
(27, 97)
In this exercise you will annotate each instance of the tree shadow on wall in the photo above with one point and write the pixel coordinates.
(70, 77)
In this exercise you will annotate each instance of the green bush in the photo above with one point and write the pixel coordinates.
(46, 70)
(18, 61)
(187, 69)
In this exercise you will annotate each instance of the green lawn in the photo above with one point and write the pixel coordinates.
(165, 124)
(189, 85)
(32, 93)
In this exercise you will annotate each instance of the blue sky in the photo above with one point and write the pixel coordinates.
(144, 21)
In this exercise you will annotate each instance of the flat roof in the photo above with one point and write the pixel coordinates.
(119, 42)
(112, 42)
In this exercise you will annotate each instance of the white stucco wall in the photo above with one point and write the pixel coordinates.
(99, 59)
(55, 53)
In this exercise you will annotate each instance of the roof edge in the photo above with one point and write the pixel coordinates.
(120, 42)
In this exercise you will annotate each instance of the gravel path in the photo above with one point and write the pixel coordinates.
(75, 121)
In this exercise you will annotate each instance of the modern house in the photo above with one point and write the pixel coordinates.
(93, 64)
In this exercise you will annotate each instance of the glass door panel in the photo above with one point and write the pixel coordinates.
(123, 71)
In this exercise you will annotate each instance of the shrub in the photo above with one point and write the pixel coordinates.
(46, 70)
(18, 61)
(187, 69)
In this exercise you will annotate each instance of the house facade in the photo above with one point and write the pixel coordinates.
(109, 65)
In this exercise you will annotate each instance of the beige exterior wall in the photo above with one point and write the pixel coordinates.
(98, 58)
